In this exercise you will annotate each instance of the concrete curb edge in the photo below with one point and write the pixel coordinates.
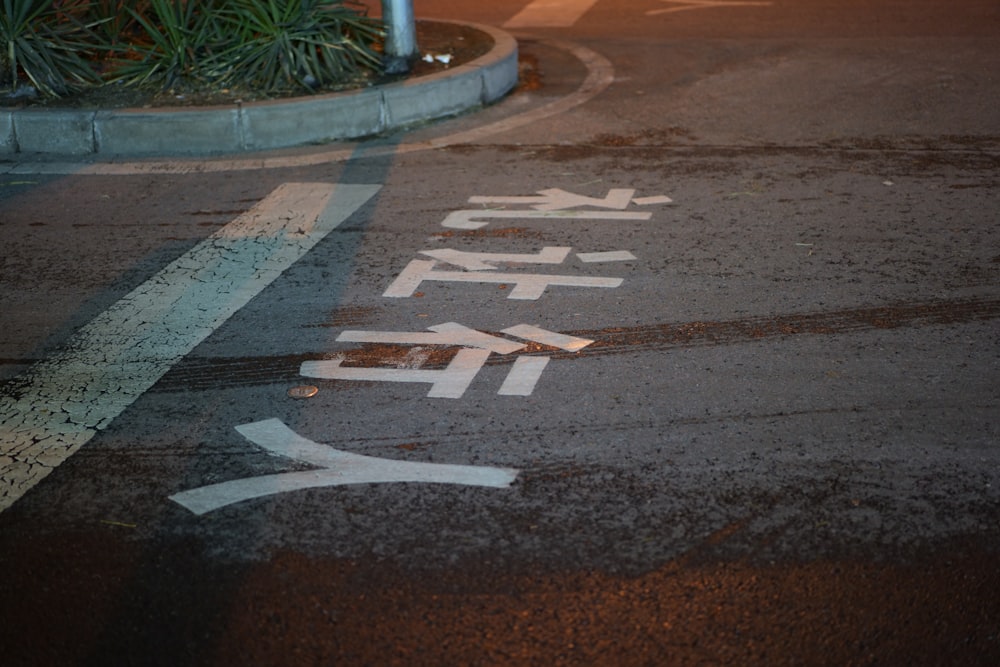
(266, 125)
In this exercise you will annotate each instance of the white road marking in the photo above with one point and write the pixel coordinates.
(686, 5)
(556, 199)
(524, 376)
(545, 337)
(655, 199)
(449, 382)
(550, 14)
(527, 286)
(455, 379)
(336, 468)
(483, 261)
(59, 404)
(472, 218)
(449, 333)
(609, 256)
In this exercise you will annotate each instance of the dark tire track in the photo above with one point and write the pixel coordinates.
(214, 373)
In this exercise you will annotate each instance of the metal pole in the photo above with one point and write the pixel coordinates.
(401, 40)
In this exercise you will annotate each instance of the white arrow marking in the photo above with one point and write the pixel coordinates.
(704, 4)
(556, 199)
(482, 261)
(336, 468)
(59, 404)
(471, 219)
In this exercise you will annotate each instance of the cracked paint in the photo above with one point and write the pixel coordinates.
(59, 404)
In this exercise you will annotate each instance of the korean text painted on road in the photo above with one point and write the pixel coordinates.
(474, 347)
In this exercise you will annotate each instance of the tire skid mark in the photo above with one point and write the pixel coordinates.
(729, 332)
(214, 373)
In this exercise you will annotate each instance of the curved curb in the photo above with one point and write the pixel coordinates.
(266, 125)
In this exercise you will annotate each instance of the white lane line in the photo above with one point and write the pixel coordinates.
(550, 14)
(335, 468)
(60, 403)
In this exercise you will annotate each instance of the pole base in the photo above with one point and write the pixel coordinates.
(396, 64)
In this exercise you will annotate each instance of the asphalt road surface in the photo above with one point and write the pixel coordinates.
(686, 352)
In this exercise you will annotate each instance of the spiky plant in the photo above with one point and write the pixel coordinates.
(46, 44)
(283, 45)
(175, 38)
